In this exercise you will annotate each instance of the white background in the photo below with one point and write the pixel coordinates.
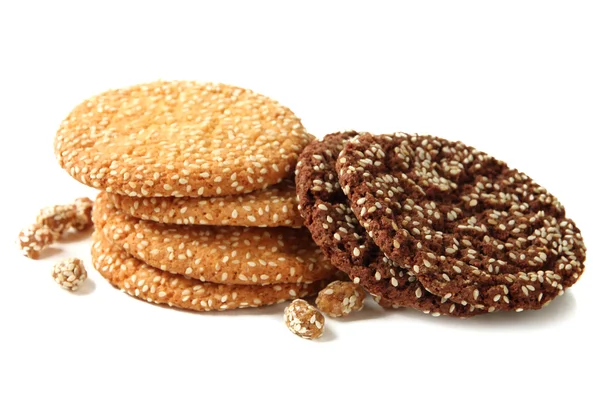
(519, 80)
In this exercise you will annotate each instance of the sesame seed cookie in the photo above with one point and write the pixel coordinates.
(222, 254)
(180, 138)
(138, 279)
(336, 230)
(276, 205)
(470, 228)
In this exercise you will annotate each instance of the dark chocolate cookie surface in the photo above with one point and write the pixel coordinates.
(470, 228)
(335, 229)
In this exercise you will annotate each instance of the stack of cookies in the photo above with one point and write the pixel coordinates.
(198, 208)
(436, 225)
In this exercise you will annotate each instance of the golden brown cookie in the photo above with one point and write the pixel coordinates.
(144, 282)
(180, 138)
(225, 254)
(276, 205)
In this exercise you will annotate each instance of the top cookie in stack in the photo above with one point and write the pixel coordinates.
(188, 153)
(180, 139)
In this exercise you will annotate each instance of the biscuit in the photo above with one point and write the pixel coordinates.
(226, 254)
(276, 205)
(335, 229)
(180, 138)
(470, 228)
(137, 279)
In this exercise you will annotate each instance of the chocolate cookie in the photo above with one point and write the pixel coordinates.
(336, 230)
(470, 228)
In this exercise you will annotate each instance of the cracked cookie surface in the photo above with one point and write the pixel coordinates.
(470, 228)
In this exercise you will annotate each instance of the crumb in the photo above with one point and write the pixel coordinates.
(69, 273)
(35, 238)
(339, 299)
(304, 320)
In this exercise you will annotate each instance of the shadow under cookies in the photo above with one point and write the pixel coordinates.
(75, 236)
(88, 287)
(561, 308)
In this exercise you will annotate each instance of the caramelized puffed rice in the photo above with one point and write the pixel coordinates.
(34, 238)
(69, 273)
(304, 320)
(339, 299)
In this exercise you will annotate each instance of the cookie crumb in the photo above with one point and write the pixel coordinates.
(339, 299)
(83, 214)
(52, 223)
(57, 218)
(304, 320)
(69, 273)
(35, 238)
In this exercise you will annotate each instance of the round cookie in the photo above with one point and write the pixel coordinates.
(335, 229)
(144, 282)
(221, 254)
(276, 205)
(180, 138)
(469, 227)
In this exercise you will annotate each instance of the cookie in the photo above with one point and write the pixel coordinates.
(178, 139)
(276, 205)
(470, 228)
(137, 279)
(225, 254)
(336, 230)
